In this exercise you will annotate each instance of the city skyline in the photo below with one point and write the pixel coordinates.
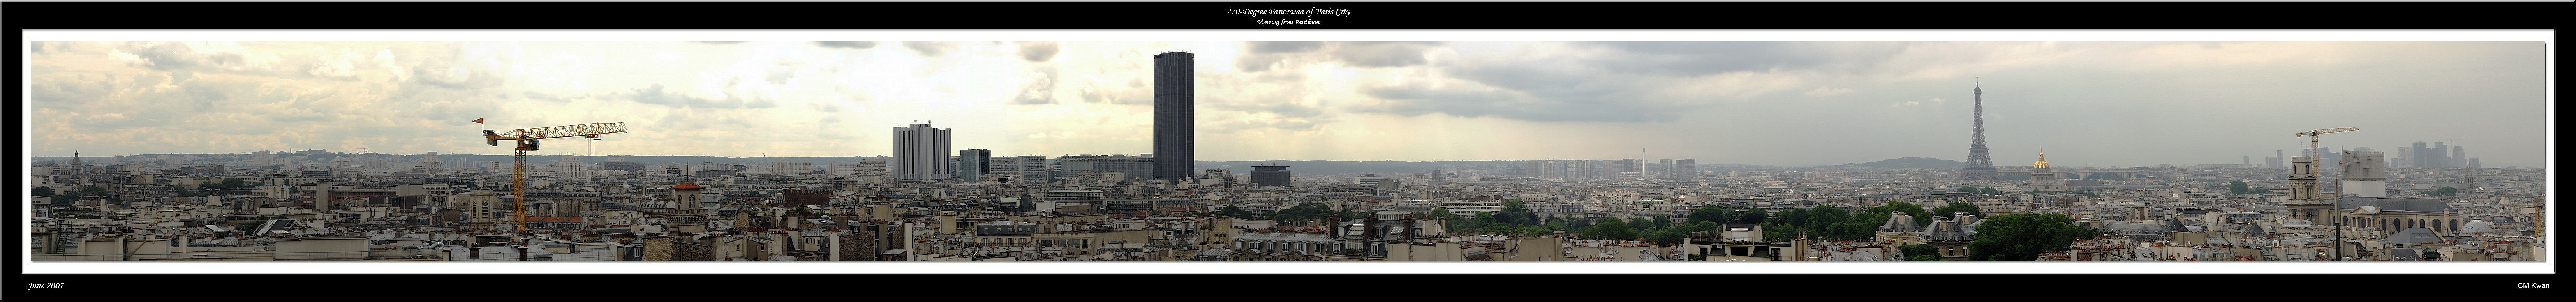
(1771, 103)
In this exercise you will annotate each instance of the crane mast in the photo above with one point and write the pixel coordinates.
(527, 141)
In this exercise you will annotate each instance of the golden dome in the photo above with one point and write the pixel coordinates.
(2043, 160)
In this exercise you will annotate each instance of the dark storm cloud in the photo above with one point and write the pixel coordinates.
(847, 44)
(658, 96)
(929, 48)
(1037, 51)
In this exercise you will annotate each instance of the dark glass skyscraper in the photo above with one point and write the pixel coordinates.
(1276, 176)
(1173, 114)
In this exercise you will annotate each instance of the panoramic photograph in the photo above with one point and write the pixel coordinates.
(1335, 153)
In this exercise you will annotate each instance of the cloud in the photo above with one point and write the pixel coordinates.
(532, 94)
(847, 44)
(929, 48)
(444, 72)
(1936, 103)
(1037, 51)
(1600, 82)
(1419, 99)
(657, 95)
(1264, 54)
(1283, 46)
(1382, 54)
(1040, 89)
(1823, 92)
(1133, 92)
(1705, 58)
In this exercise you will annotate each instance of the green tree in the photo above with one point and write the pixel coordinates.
(1924, 258)
(1642, 223)
(1752, 216)
(1791, 218)
(1444, 215)
(2444, 191)
(1516, 213)
(2023, 236)
(1950, 211)
(1661, 222)
(1611, 229)
(1824, 216)
(2238, 187)
(1231, 211)
(1921, 217)
(42, 191)
(1919, 250)
(1711, 213)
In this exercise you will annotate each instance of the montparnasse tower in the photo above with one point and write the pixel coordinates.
(1980, 166)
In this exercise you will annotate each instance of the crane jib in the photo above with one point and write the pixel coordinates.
(571, 131)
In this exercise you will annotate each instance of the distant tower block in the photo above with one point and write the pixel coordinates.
(1276, 176)
(921, 153)
(1980, 166)
(2364, 174)
(1174, 93)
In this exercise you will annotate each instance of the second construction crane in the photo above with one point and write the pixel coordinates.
(519, 158)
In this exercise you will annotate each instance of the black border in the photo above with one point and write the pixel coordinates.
(21, 16)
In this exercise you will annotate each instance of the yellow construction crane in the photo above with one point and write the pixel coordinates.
(2312, 136)
(519, 157)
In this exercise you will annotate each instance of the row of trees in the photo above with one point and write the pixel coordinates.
(1980, 190)
(2017, 237)
(1829, 222)
(1306, 211)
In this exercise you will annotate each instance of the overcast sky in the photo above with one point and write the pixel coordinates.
(2090, 104)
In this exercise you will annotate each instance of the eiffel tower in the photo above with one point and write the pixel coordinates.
(1980, 167)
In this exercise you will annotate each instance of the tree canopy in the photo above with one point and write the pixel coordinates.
(1611, 229)
(1918, 251)
(1951, 210)
(1711, 213)
(1231, 211)
(2239, 187)
(2444, 191)
(2023, 236)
